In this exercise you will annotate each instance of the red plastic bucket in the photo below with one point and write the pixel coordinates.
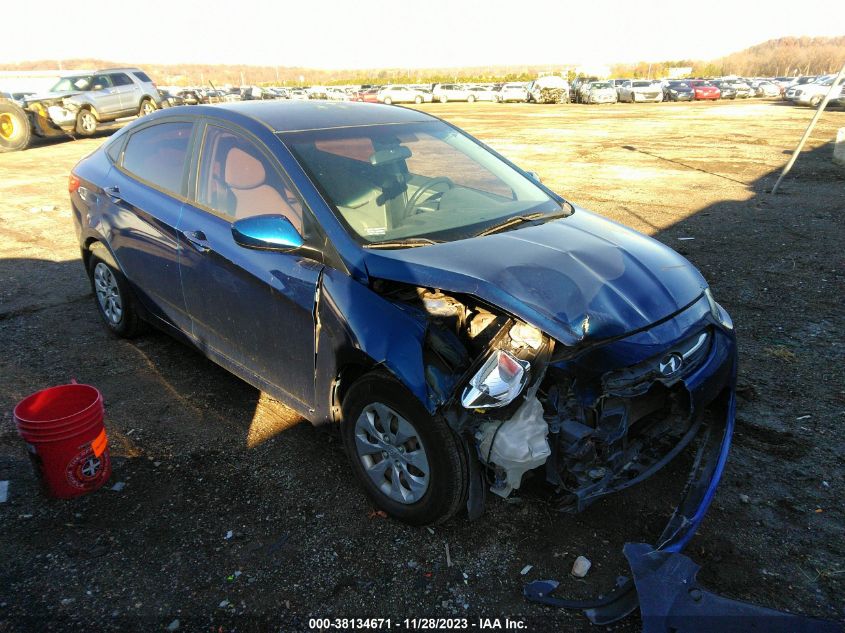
(67, 442)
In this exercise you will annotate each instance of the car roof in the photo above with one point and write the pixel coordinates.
(291, 116)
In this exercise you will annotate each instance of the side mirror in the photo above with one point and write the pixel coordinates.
(533, 175)
(267, 232)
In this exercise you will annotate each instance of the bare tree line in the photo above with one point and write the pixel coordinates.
(778, 57)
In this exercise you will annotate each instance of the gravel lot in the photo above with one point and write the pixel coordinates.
(203, 455)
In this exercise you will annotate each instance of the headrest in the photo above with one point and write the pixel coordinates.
(243, 171)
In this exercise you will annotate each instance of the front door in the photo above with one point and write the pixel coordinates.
(104, 96)
(255, 308)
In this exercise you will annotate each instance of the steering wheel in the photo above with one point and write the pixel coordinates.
(412, 202)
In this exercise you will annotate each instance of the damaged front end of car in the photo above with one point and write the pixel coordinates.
(591, 419)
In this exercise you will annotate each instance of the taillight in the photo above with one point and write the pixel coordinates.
(72, 183)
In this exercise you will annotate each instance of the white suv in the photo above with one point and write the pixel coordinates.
(811, 94)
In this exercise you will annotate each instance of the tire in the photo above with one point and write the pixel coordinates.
(816, 101)
(388, 101)
(15, 129)
(115, 302)
(471, 99)
(443, 99)
(147, 107)
(86, 123)
(375, 403)
(418, 99)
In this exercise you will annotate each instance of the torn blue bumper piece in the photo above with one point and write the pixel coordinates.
(672, 600)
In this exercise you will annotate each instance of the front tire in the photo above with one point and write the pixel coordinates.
(113, 298)
(15, 130)
(410, 464)
(388, 101)
(443, 99)
(418, 100)
(86, 123)
(471, 99)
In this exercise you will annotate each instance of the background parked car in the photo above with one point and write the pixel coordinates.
(481, 93)
(639, 90)
(77, 104)
(170, 100)
(549, 89)
(597, 92)
(726, 89)
(677, 91)
(513, 92)
(811, 94)
(370, 95)
(450, 92)
(765, 88)
(576, 86)
(704, 90)
(400, 94)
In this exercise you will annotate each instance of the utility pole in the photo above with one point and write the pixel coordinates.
(834, 87)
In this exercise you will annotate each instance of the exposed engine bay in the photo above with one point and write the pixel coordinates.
(521, 403)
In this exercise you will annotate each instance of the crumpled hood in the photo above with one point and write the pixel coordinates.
(578, 278)
(45, 96)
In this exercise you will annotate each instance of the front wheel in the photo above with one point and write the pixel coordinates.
(418, 99)
(86, 123)
(443, 98)
(815, 102)
(388, 101)
(410, 464)
(471, 99)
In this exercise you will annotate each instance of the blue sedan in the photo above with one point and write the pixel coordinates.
(378, 269)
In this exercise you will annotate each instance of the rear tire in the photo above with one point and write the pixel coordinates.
(443, 99)
(378, 402)
(147, 107)
(471, 99)
(418, 99)
(113, 297)
(15, 129)
(86, 123)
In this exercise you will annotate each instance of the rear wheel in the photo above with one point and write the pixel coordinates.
(113, 297)
(418, 99)
(15, 130)
(410, 464)
(471, 99)
(147, 107)
(86, 123)
(443, 98)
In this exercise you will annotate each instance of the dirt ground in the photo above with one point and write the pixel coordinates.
(203, 455)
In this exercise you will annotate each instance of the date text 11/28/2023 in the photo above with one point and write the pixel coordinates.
(416, 624)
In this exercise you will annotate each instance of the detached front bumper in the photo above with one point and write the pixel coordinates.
(711, 386)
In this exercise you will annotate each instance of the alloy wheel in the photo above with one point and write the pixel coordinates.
(392, 454)
(108, 293)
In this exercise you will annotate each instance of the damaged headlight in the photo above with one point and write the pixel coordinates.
(718, 312)
(497, 383)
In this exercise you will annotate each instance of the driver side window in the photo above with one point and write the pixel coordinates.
(237, 179)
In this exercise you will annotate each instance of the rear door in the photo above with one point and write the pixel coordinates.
(145, 192)
(253, 308)
(128, 92)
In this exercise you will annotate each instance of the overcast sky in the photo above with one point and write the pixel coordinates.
(393, 33)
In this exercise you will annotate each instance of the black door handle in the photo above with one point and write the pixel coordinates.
(197, 240)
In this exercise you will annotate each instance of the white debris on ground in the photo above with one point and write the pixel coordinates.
(581, 566)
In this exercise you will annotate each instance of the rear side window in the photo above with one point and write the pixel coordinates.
(157, 154)
(143, 76)
(121, 79)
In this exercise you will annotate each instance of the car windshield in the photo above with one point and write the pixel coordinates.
(601, 84)
(642, 84)
(65, 84)
(416, 180)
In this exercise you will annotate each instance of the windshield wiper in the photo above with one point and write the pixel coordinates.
(519, 219)
(404, 243)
